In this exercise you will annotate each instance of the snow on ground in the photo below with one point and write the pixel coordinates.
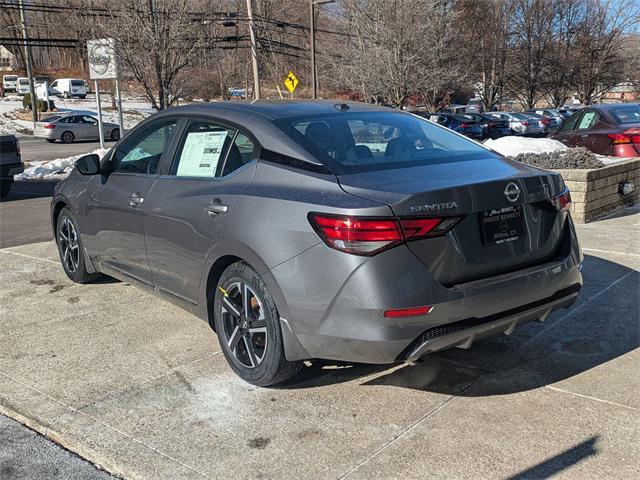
(54, 169)
(512, 146)
(134, 111)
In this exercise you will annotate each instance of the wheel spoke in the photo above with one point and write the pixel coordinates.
(250, 351)
(254, 330)
(259, 323)
(231, 306)
(245, 298)
(234, 338)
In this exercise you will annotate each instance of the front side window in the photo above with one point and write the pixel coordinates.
(365, 141)
(142, 154)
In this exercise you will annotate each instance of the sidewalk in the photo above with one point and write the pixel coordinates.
(140, 388)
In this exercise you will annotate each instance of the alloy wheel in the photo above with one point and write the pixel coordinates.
(69, 246)
(244, 324)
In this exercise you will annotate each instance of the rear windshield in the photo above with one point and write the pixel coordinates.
(366, 141)
(10, 78)
(24, 81)
(77, 83)
(626, 114)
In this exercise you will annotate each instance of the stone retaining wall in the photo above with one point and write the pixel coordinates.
(594, 192)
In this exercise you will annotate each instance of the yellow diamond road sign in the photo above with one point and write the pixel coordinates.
(291, 82)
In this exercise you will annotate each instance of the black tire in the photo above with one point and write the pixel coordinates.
(51, 140)
(5, 186)
(82, 97)
(258, 358)
(72, 259)
(67, 137)
(115, 135)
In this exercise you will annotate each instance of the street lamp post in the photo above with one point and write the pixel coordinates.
(312, 25)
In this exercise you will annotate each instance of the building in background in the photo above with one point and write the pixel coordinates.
(7, 59)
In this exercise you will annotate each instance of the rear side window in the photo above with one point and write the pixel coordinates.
(209, 150)
(587, 120)
(570, 123)
(201, 152)
(364, 141)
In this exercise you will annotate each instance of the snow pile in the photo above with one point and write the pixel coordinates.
(54, 169)
(10, 125)
(512, 146)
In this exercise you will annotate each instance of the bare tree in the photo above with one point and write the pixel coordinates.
(400, 47)
(601, 37)
(486, 37)
(157, 40)
(532, 31)
(561, 60)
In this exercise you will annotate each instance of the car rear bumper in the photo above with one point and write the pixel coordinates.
(49, 134)
(9, 170)
(340, 316)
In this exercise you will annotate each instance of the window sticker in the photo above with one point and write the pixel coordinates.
(587, 120)
(201, 154)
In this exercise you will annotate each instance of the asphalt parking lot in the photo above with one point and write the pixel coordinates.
(140, 388)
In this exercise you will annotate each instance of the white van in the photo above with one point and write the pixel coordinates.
(23, 86)
(9, 83)
(68, 87)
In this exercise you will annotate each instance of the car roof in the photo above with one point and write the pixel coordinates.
(610, 106)
(276, 109)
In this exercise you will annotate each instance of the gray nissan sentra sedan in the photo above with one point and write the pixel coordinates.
(304, 230)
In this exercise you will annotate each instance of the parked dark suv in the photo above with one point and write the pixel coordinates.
(10, 162)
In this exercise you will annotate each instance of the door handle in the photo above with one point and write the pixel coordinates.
(135, 199)
(584, 136)
(215, 207)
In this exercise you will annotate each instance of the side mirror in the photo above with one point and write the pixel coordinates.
(89, 164)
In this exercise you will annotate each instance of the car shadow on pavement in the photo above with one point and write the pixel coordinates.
(601, 326)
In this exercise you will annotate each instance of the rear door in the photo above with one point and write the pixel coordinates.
(116, 203)
(90, 127)
(193, 199)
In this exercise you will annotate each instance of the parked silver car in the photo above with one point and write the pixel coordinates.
(518, 123)
(68, 128)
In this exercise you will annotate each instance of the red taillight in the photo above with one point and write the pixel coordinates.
(49, 126)
(368, 236)
(492, 124)
(545, 122)
(408, 312)
(526, 124)
(562, 202)
(464, 125)
(631, 135)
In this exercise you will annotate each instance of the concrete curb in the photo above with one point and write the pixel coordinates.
(72, 446)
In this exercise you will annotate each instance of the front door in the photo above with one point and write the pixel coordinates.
(189, 206)
(116, 202)
(567, 133)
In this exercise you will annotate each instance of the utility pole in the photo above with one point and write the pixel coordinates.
(254, 53)
(27, 55)
(312, 25)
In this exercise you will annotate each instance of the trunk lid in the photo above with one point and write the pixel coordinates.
(475, 190)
